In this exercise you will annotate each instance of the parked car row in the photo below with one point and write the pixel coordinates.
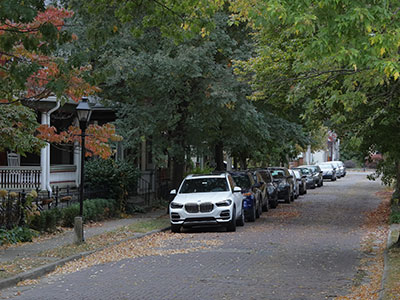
(229, 199)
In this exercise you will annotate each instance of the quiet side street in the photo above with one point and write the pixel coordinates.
(313, 248)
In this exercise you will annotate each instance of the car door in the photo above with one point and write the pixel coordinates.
(237, 197)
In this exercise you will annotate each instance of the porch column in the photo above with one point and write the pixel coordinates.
(44, 163)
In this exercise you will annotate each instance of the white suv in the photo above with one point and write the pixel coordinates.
(207, 200)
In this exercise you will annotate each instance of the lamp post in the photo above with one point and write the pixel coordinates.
(84, 112)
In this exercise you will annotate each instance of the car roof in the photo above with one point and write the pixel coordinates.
(211, 175)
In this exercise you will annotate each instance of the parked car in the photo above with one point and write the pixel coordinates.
(302, 181)
(341, 166)
(269, 189)
(317, 174)
(310, 182)
(252, 197)
(285, 183)
(328, 171)
(296, 184)
(207, 200)
(339, 169)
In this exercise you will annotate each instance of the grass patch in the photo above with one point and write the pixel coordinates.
(108, 238)
(20, 265)
(392, 286)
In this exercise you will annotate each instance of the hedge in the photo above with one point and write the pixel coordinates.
(93, 210)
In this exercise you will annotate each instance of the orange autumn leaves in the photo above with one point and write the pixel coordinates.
(48, 74)
(97, 142)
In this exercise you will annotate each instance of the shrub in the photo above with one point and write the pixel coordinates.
(16, 235)
(68, 215)
(117, 179)
(395, 214)
(93, 210)
(46, 221)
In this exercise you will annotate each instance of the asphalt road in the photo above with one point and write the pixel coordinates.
(309, 249)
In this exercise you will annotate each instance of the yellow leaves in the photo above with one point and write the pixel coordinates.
(396, 75)
(383, 51)
(185, 26)
(204, 32)
(115, 28)
(355, 67)
(369, 29)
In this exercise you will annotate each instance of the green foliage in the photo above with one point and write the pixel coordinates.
(15, 137)
(199, 170)
(16, 235)
(46, 221)
(395, 214)
(116, 179)
(93, 210)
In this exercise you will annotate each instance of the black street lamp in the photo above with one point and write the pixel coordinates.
(84, 112)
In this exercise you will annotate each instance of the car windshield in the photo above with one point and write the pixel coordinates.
(278, 174)
(314, 169)
(242, 180)
(297, 174)
(204, 185)
(305, 171)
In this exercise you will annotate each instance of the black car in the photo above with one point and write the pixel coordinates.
(285, 183)
(269, 189)
(252, 197)
(317, 174)
(310, 182)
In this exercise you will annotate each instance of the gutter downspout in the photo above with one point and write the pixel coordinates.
(48, 149)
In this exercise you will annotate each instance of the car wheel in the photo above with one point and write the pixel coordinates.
(232, 223)
(287, 198)
(265, 206)
(253, 214)
(322, 183)
(259, 209)
(240, 221)
(175, 228)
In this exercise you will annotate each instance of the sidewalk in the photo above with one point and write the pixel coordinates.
(30, 261)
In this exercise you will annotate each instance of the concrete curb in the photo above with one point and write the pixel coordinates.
(43, 270)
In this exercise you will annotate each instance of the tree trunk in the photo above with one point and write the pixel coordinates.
(396, 193)
(219, 156)
(243, 161)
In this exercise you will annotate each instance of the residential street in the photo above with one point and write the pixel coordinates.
(309, 249)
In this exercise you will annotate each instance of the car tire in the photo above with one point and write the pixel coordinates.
(265, 206)
(252, 214)
(259, 209)
(322, 183)
(240, 221)
(231, 227)
(175, 228)
(287, 198)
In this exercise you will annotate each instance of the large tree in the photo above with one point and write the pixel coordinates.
(30, 70)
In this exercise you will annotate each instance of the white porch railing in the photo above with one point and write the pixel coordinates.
(18, 178)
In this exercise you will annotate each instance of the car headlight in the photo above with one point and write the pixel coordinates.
(176, 205)
(224, 203)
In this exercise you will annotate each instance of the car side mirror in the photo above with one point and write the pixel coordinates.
(290, 176)
(237, 189)
(172, 192)
(303, 176)
(320, 172)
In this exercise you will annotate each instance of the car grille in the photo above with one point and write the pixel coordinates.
(206, 207)
(192, 208)
(195, 208)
